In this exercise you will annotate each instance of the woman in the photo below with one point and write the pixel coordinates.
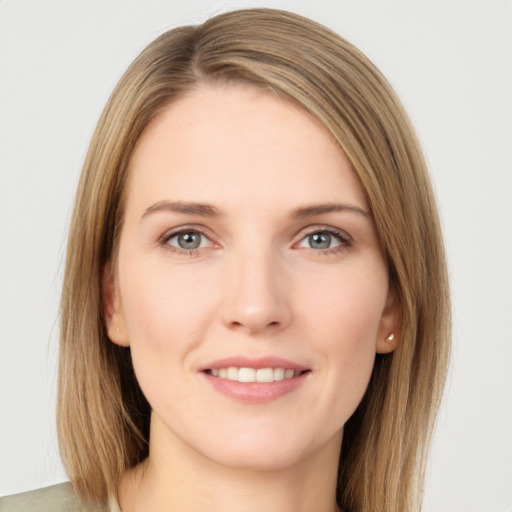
(255, 307)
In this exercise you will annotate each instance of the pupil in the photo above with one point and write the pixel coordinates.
(189, 240)
(320, 240)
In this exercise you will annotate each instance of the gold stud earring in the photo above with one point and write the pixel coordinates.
(390, 338)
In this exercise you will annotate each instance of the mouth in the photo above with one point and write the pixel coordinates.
(255, 380)
(248, 374)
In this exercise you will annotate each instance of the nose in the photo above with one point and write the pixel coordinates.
(256, 295)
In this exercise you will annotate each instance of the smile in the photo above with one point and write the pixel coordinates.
(245, 374)
(255, 380)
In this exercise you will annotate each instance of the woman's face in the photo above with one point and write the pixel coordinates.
(247, 253)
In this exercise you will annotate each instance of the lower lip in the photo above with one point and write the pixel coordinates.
(256, 392)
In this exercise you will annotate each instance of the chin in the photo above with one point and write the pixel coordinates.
(268, 451)
(258, 459)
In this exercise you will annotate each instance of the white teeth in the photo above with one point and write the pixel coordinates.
(247, 375)
(288, 374)
(265, 375)
(279, 373)
(253, 375)
(232, 373)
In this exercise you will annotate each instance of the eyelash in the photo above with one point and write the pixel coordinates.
(345, 241)
(164, 241)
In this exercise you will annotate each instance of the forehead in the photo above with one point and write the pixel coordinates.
(239, 144)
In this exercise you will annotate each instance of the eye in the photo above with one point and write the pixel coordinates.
(321, 241)
(325, 239)
(186, 241)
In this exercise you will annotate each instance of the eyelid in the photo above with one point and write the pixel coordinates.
(345, 240)
(340, 233)
(171, 233)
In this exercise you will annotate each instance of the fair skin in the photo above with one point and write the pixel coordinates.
(247, 243)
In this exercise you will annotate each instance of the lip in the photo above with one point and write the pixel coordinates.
(255, 392)
(257, 363)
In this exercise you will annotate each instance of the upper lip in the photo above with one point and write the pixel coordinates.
(256, 363)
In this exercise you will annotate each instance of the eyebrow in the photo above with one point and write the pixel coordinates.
(319, 209)
(208, 210)
(202, 209)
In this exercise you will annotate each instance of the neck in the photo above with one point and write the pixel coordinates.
(176, 477)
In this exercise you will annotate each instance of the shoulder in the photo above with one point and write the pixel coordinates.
(56, 498)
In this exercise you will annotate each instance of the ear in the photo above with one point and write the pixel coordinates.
(389, 328)
(112, 309)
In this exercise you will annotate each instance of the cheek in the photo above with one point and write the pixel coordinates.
(159, 302)
(344, 318)
(346, 305)
(166, 314)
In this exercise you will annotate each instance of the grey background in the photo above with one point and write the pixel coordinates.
(450, 62)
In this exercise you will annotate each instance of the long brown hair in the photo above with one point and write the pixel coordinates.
(103, 418)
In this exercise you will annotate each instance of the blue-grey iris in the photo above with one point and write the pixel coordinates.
(319, 241)
(189, 240)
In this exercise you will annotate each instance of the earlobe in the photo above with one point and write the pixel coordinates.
(112, 309)
(389, 329)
